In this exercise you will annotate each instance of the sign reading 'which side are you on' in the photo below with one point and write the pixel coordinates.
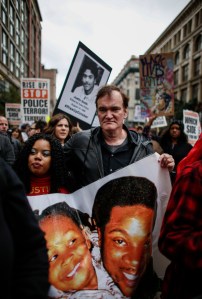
(35, 99)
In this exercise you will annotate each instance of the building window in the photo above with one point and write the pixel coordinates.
(184, 95)
(12, 66)
(4, 17)
(198, 18)
(17, 39)
(17, 72)
(186, 52)
(5, 3)
(177, 37)
(198, 43)
(5, 57)
(197, 64)
(11, 13)
(176, 77)
(177, 58)
(4, 41)
(17, 61)
(187, 28)
(185, 71)
(195, 91)
(11, 29)
(189, 25)
(18, 5)
(22, 68)
(12, 49)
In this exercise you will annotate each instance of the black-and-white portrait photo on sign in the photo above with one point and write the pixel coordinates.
(86, 75)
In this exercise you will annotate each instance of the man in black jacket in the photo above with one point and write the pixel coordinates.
(6, 149)
(24, 260)
(93, 154)
(4, 128)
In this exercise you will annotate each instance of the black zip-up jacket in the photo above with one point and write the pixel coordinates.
(24, 259)
(83, 154)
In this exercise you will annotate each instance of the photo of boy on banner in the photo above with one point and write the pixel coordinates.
(124, 213)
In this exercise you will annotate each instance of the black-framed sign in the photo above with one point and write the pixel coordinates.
(86, 75)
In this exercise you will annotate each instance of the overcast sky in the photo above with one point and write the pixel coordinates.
(113, 29)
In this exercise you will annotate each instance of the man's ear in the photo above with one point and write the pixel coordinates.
(126, 113)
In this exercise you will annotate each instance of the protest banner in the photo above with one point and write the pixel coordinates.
(159, 122)
(138, 117)
(35, 99)
(192, 125)
(86, 75)
(13, 113)
(157, 84)
(97, 261)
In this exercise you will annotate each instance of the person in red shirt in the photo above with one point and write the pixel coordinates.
(181, 232)
(40, 166)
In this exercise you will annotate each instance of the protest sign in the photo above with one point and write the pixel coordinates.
(86, 75)
(159, 122)
(138, 116)
(13, 113)
(35, 99)
(157, 84)
(192, 125)
(97, 261)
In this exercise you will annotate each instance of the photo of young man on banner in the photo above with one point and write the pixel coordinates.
(86, 75)
(100, 238)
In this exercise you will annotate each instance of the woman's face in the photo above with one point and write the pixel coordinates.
(62, 130)
(15, 134)
(175, 131)
(69, 256)
(39, 160)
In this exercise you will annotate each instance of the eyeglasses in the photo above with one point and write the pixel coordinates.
(32, 129)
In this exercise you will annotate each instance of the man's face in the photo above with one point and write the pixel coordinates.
(126, 245)
(111, 112)
(69, 256)
(32, 130)
(3, 124)
(88, 81)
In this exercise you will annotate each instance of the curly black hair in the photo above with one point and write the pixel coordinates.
(123, 191)
(58, 173)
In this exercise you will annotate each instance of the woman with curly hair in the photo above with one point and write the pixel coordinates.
(60, 127)
(174, 141)
(40, 166)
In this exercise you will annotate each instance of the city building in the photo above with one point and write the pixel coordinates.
(20, 47)
(183, 37)
(51, 75)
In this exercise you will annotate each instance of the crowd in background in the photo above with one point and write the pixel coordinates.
(37, 152)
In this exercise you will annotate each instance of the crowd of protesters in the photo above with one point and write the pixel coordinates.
(57, 157)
